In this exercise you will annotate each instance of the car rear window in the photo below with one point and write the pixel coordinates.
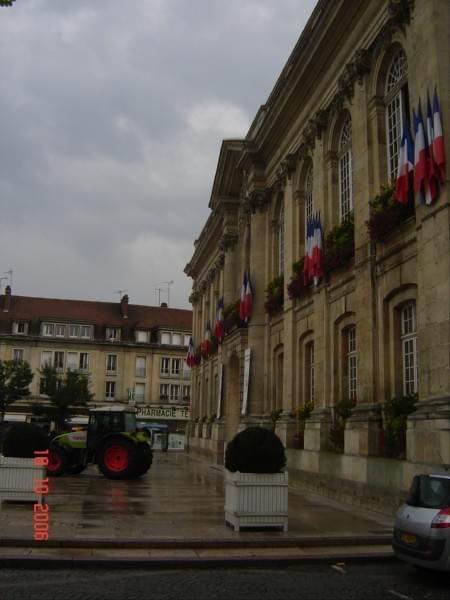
(429, 492)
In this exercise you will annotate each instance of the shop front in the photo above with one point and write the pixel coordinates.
(173, 417)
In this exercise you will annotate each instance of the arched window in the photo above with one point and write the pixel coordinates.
(397, 106)
(409, 348)
(309, 372)
(352, 368)
(309, 203)
(345, 170)
(281, 241)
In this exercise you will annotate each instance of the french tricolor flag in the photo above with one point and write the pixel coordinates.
(421, 180)
(317, 270)
(206, 346)
(219, 327)
(433, 169)
(437, 143)
(308, 262)
(246, 302)
(190, 353)
(404, 184)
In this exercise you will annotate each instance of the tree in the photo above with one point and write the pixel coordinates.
(15, 377)
(6, 2)
(66, 393)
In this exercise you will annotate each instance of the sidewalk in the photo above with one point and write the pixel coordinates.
(174, 516)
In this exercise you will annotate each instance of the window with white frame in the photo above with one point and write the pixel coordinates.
(58, 360)
(345, 170)
(140, 366)
(48, 329)
(83, 361)
(175, 367)
(164, 392)
(60, 330)
(409, 349)
(17, 354)
(397, 105)
(86, 331)
(309, 204)
(139, 392)
(281, 241)
(352, 371)
(186, 394)
(113, 334)
(74, 331)
(72, 361)
(110, 390)
(111, 363)
(141, 336)
(174, 393)
(20, 327)
(165, 366)
(176, 339)
(165, 337)
(187, 339)
(46, 358)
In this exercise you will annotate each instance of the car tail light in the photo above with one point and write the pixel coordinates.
(442, 519)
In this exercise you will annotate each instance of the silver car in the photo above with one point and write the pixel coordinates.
(422, 525)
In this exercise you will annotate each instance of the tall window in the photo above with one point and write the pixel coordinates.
(165, 366)
(310, 387)
(309, 206)
(111, 363)
(18, 354)
(58, 361)
(176, 366)
(409, 348)
(351, 362)
(140, 366)
(174, 393)
(83, 363)
(139, 392)
(186, 393)
(164, 392)
(397, 105)
(110, 391)
(281, 241)
(345, 170)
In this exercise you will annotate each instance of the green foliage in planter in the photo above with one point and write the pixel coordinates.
(275, 295)
(255, 450)
(303, 413)
(22, 439)
(231, 318)
(297, 287)
(386, 213)
(396, 413)
(340, 244)
(342, 411)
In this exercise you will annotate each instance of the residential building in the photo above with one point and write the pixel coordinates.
(372, 331)
(132, 354)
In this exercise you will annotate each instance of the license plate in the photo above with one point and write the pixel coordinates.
(407, 538)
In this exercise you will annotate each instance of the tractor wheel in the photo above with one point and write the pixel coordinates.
(75, 469)
(57, 461)
(144, 459)
(117, 458)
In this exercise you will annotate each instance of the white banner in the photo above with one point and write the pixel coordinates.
(247, 356)
(219, 390)
(176, 413)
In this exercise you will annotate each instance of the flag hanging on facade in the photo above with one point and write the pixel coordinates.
(313, 262)
(190, 353)
(404, 183)
(437, 142)
(219, 331)
(248, 299)
(433, 169)
(206, 346)
(242, 299)
(421, 180)
(317, 250)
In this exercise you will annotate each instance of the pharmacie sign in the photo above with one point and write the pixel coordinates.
(163, 412)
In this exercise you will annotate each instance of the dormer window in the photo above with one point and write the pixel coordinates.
(20, 327)
(141, 336)
(113, 334)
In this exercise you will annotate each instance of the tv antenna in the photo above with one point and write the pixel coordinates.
(159, 290)
(120, 292)
(168, 283)
(2, 279)
(10, 274)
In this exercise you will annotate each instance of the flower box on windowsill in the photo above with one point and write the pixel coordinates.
(256, 499)
(386, 214)
(275, 296)
(340, 245)
(18, 477)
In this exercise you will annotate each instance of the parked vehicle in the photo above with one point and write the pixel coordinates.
(422, 525)
(111, 441)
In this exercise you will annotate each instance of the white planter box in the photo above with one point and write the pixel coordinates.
(256, 500)
(18, 477)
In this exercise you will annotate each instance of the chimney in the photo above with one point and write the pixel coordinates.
(124, 306)
(163, 304)
(7, 301)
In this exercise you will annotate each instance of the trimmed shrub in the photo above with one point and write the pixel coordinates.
(255, 450)
(23, 439)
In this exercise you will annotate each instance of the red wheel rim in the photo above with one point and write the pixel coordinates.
(116, 458)
(54, 461)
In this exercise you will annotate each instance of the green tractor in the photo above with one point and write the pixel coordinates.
(111, 441)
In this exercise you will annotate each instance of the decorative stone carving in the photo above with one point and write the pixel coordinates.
(257, 200)
(227, 241)
(203, 286)
(321, 121)
(211, 275)
(303, 151)
(194, 297)
(221, 260)
(400, 11)
(362, 62)
(288, 165)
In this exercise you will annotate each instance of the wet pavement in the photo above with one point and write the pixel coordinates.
(177, 508)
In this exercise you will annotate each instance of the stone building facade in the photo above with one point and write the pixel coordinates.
(376, 326)
(132, 354)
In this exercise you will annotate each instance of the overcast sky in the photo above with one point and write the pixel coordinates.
(112, 113)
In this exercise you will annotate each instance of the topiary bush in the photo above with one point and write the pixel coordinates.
(255, 450)
(23, 439)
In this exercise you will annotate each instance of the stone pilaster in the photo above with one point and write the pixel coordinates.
(317, 430)
(362, 431)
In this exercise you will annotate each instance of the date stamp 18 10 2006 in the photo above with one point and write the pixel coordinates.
(40, 509)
